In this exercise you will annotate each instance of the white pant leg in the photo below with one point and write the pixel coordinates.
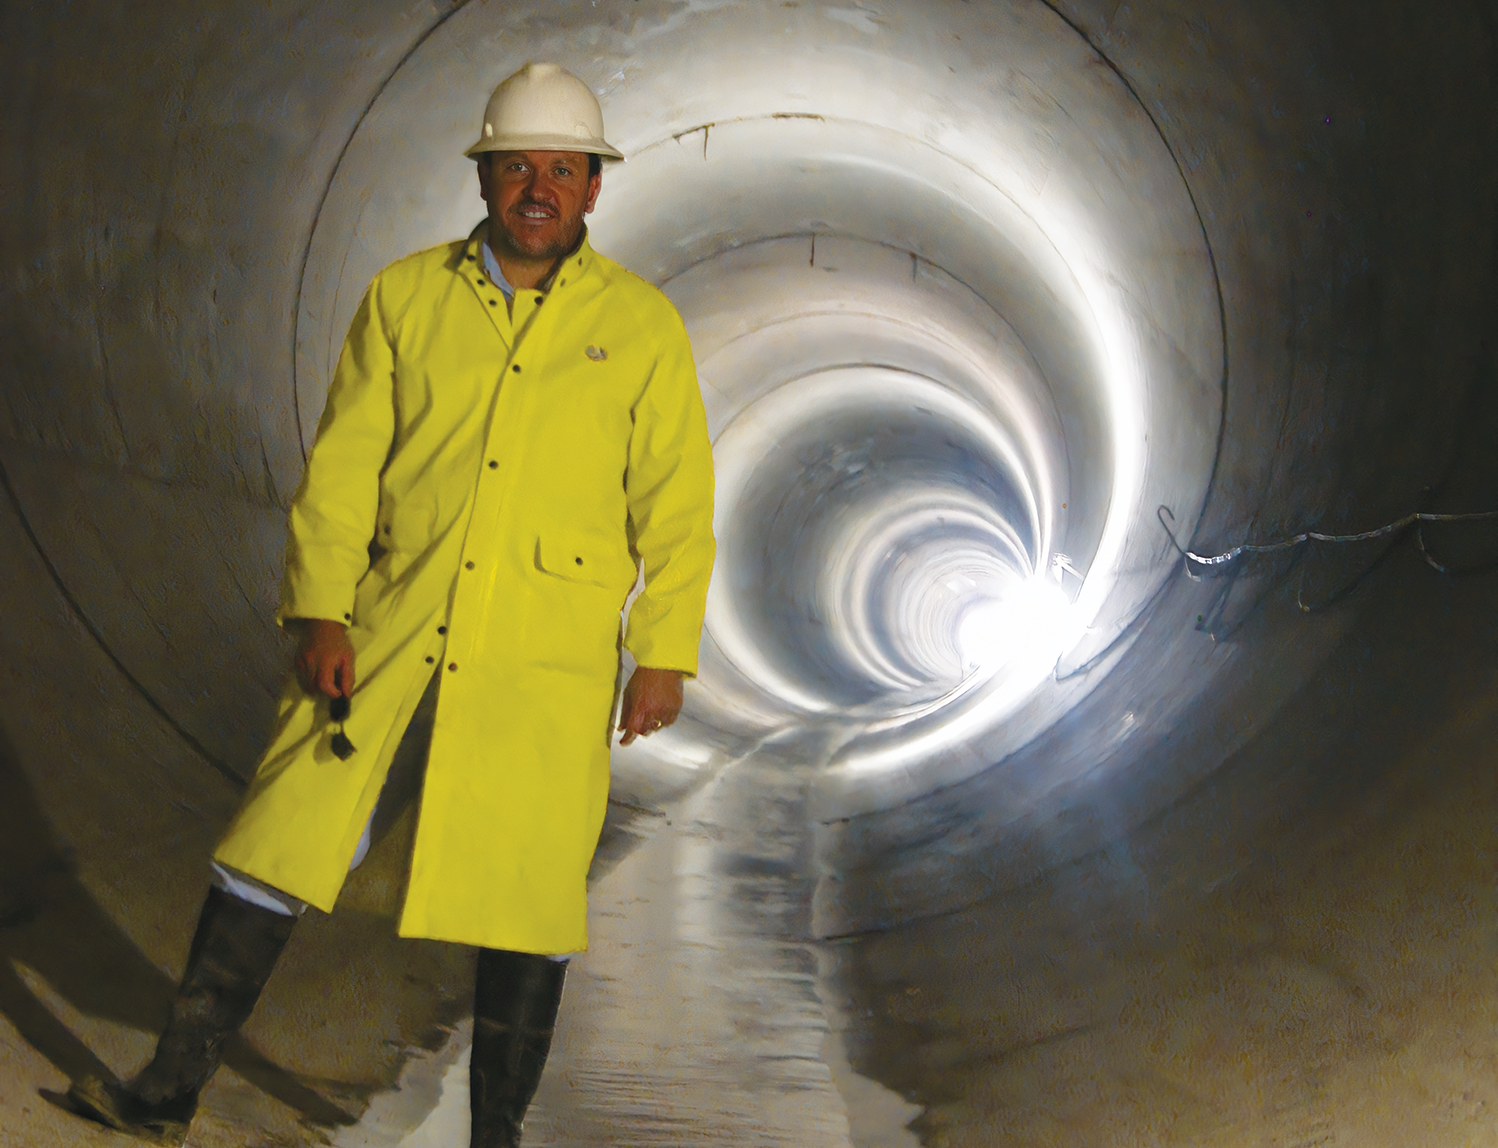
(246, 888)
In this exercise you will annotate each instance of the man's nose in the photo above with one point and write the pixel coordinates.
(538, 186)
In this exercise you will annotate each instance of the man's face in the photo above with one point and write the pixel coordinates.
(537, 200)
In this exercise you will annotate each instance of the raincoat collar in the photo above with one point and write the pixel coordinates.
(570, 269)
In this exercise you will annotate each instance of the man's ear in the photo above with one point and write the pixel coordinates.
(482, 160)
(595, 184)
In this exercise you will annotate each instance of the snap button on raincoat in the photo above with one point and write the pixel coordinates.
(476, 502)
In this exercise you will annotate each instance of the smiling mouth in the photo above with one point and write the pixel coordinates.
(536, 213)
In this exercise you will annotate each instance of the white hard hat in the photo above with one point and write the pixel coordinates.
(543, 107)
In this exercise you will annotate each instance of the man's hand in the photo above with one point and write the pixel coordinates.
(325, 658)
(651, 702)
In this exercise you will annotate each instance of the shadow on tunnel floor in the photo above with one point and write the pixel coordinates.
(50, 924)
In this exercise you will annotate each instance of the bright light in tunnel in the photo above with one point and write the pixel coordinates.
(1019, 627)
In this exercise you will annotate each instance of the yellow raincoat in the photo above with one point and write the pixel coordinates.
(480, 490)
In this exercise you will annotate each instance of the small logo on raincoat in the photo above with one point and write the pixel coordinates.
(597, 354)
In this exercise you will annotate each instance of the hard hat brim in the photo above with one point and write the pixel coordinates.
(546, 143)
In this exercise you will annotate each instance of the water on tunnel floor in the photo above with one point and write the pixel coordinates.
(989, 820)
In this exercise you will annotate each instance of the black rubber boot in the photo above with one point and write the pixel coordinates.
(515, 1004)
(231, 958)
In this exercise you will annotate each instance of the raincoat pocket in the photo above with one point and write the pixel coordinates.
(577, 557)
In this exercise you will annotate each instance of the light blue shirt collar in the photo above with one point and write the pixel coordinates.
(491, 265)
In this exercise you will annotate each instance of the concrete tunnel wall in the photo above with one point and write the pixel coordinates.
(1264, 234)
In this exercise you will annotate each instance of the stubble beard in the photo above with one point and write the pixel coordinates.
(566, 240)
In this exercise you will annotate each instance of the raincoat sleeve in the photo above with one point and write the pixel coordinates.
(669, 485)
(332, 519)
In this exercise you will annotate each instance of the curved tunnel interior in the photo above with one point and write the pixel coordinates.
(994, 307)
(954, 342)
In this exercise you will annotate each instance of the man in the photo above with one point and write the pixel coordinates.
(513, 425)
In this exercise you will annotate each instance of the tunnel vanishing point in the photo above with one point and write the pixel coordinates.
(992, 819)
